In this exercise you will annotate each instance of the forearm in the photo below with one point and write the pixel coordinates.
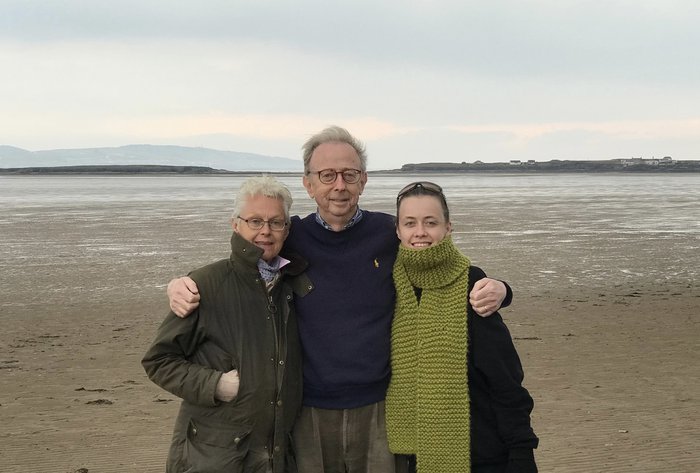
(194, 383)
(167, 362)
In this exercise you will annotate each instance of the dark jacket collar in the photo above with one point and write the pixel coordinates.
(244, 252)
(247, 254)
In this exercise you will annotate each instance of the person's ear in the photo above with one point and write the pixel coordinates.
(307, 185)
(363, 181)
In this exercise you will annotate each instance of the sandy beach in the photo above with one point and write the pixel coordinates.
(612, 363)
(614, 374)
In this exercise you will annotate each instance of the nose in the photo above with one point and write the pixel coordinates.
(420, 229)
(339, 182)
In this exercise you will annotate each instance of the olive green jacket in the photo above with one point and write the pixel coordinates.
(238, 325)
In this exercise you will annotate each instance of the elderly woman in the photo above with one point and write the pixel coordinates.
(236, 361)
(455, 402)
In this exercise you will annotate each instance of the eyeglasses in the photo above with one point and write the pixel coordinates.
(258, 223)
(423, 185)
(328, 176)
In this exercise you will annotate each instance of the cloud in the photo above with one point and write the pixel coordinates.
(613, 40)
(412, 78)
(627, 129)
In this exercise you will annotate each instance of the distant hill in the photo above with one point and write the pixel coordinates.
(119, 169)
(164, 155)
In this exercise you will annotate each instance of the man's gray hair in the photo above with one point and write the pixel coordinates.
(333, 134)
(262, 185)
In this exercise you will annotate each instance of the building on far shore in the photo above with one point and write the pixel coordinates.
(665, 161)
(665, 164)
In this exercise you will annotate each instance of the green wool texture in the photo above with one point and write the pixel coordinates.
(427, 405)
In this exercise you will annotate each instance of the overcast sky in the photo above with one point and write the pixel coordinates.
(417, 81)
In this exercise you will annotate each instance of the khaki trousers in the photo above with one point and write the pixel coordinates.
(343, 441)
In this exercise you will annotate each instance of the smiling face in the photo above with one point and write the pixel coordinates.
(337, 201)
(421, 221)
(265, 208)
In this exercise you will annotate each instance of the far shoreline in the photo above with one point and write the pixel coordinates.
(551, 167)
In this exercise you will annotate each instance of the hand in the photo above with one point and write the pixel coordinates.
(487, 296)
(227, 387)
(183, 296)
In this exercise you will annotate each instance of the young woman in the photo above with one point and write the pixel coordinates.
(455, 402)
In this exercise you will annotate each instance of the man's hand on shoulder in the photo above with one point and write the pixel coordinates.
(183, 295)
(487, 296)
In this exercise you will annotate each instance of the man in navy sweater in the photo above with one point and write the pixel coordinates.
(345, 321)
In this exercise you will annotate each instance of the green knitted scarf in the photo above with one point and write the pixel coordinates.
(427, 405)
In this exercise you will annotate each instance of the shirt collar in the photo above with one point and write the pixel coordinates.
(356, 218)
(268, 271)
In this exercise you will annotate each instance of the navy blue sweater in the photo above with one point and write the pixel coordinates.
(345, 322)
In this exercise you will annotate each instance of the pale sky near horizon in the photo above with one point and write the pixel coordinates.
(416, 80)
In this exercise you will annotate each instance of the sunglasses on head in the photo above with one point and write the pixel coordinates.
(422, 185)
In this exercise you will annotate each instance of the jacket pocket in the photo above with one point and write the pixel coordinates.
(214, 445)
(211, 355)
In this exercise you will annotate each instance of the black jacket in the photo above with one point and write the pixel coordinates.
(500, 405)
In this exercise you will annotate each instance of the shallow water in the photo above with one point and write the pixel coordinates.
(96, 234)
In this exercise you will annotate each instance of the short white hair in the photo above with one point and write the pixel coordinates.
(262, 185)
